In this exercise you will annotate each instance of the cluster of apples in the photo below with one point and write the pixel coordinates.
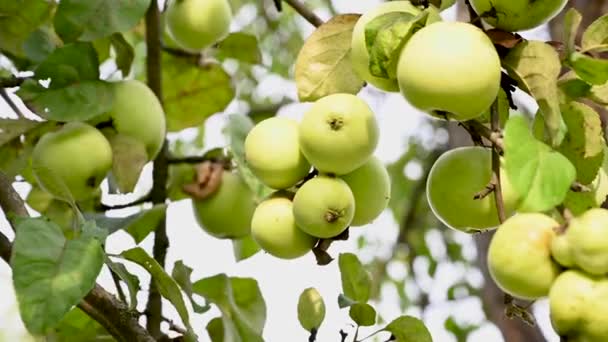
(71, 162)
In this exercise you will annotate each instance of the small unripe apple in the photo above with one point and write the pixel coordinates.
(227, 213)
(272, 151)
(324, 206)
(371, 186)
(517, 15)
(311, 309)
(519, 256)
(76, 158)
(588, 239)
(454, 180)
(338, 133)
(274, 228)
(359, 54)
(198, 24)
(450, 69)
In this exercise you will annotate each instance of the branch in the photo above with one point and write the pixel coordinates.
(11, 82)
(500, 205)
(305, 12)
(189, 160)
(10, 201)
(142, 200)
(494, 136)
(10, 102)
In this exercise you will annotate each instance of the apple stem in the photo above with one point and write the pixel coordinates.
(336, 123)
(332, 216)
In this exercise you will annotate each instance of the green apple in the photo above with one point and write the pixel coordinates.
(324, 206)
(198, 24)
(359, 54)
(227, 213)
(519, 256)
(450, 69)
(371, 187)
(76, 158)
(562, 251)
(338, 133)
(578, 305)
(588, 239)
(579, 202)
(272, 152)
(453, 181)
(274, 228)
(137, 113)
(517, 15)
(311, 309)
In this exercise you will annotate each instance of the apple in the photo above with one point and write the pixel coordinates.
(453, 181)
(450, 69)
(324, 206)
(75, 158)
(579, 202)
(198, 24)
(578, 305)
(227, 213)
(359, 54)
(338, 133)
(274, 228)
(371, 187)
(272, 152)
(517, 15)
(587, 237)
(519, 256)
(311, 309)
(562, 251)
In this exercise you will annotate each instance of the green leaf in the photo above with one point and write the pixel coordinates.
(595, 37)
(179, 175)
(240, 302)
(323, 65)
(129, 157)
(541, 175)
(443, 4)
(40, 44)
(13, 128)
(240, 46)
(356, 281)
(167, 287)
(572, 21)
(401, 186)
(215, 329)
(244, 248)
(88, 20)
(76, 326)
(128, 278)
(584, 142)
(592, 70)
(193, 92)
(363, 314)
(138, 225)
(536, 67)
(182, 275)
(124, 53)
(575, 88)
(68, 65)
(18, 19)
(51, 274)
(408, 329)
(599, 94)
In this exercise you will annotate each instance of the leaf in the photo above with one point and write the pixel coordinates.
(241, 303)
(18, 19)
(124, 53)
(323, 65)
(344, 302)
(138, 225)
(363, 314)
(182, 275)
(128, 278)
(13, 128)
(215, 329)
(575, 88)
(408, 329)
(536, 66)
(240, 46)
(356, 281)
(76, 326)
(595, 37)
(401, 186)
(129, 157)
(541, 175)
(166, 286)
(179, 175)
(599, 94)
(68, 65)
(244, 248)
(40, 44)
(88, 20)
(572, 21)
(51, 274)
(592, 70)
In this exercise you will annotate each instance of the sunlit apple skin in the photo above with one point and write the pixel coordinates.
(227, 213)
(588, 239)
(578, 304)
(561, 251)
(453, 181)
(358, 52)
(197, 24)
(272, 151)
(517, 15)
(450, 67)
(324, 206)
(338, 133)
(274, 228)
(371, 186)
(519, 256)
(77, 155)
(311, 309)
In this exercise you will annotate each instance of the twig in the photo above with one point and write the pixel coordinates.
(578, 187)
(11, 82)
(181, 53)
(494, 136)
(495, 124)
(305, 12)
(142, 200)
(313, 335)
(116, 279)
(473, 17)
(343, 335)
(174, 327)
(486, 191)
(10, 102)
(189, 160)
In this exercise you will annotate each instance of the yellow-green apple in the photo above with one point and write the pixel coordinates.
(75, 158)
(227, 213)
(198, 24)
(311, 309)
(274, 228)
(519, 256)
(324, 206)
(371, 186)
(338, 133)
(454, 180)
(272, 152)
(517, 15)
(359, 54)
(450, 69)
(579, 202)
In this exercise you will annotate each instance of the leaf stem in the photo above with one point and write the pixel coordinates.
(116, 280)
(305, 12)
(142, 200)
